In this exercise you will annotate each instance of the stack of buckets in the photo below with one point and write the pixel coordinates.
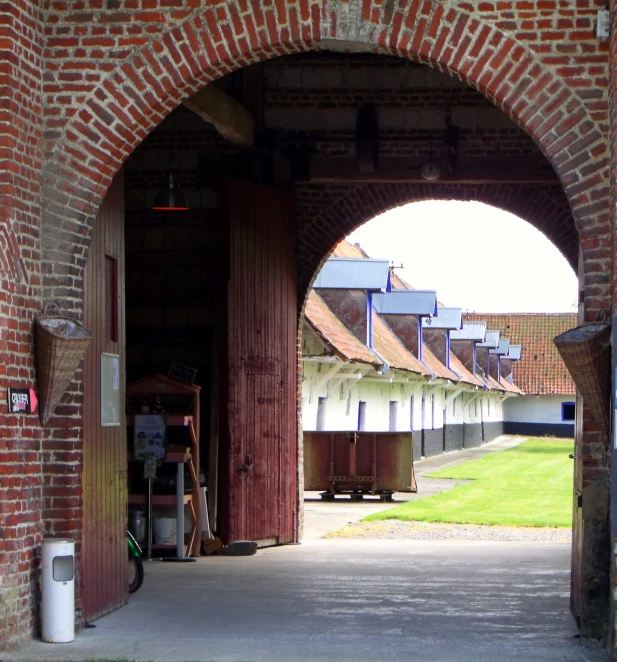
(163, 528)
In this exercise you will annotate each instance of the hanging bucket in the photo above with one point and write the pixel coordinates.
(61, 343)
(586, 351)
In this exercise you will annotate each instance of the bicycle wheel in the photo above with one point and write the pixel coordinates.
(136, 573)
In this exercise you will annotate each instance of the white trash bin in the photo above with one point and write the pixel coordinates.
(58, 567)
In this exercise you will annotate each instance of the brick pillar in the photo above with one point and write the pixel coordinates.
(612, 633)
(20, 435)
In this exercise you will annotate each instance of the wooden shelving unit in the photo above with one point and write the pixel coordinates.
(181, 404)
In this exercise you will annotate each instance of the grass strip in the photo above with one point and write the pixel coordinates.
(529, 485)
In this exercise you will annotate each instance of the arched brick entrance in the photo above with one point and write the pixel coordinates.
(90, 136)
(87, 144)
(342, 211)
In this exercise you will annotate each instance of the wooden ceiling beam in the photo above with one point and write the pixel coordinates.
(229, 117)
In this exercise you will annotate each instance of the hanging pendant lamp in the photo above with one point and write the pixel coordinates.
(170, 197)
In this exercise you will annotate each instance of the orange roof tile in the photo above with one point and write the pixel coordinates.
(398, 283)
(512, 388)
(334, 333)
(436, 366)
(457, 365)
(493, 383)
(388, 345)
(540, 370)
(345, 249)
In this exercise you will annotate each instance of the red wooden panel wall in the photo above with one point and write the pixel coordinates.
(104, 555)
(258, 422)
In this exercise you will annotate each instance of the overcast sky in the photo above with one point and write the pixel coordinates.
(477, 257)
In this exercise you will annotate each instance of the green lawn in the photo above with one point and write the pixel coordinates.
(530, 485)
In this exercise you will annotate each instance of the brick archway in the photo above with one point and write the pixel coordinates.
(546, 208)
(137, 94)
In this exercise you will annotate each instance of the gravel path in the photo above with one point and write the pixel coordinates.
(397, 530)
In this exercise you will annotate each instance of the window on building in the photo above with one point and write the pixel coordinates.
(568, 410)
(411, 404)
(393, 415)
(361, 415)
(321, 413)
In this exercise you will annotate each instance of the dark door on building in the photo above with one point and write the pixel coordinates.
(103, 569)
(258, 430)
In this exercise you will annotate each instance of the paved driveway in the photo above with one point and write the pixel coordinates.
(348, 601)
(355, 601)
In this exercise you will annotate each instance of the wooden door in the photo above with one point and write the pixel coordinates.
(258, 486)
(103, 569)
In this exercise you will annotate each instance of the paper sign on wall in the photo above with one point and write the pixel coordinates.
(110, 390)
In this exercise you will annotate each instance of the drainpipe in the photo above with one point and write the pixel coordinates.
(369, 332)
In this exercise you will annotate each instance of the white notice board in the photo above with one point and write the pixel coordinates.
(110, 390)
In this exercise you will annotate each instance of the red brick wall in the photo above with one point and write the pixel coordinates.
(20, 436)
(329, 212)
(112, 76)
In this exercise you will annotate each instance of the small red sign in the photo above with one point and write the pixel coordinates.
(22, 400)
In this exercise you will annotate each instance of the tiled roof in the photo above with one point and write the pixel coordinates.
(398, 283)
(540, 370)
(345, 249)
(334, 333)
(436, 366)
(388, 345)
(457, 365)
(511, 388)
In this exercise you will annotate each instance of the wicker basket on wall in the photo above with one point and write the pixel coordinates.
(61, 343)
(586, 351)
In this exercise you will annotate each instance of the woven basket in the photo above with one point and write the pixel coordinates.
(586, 351)
(60, 346)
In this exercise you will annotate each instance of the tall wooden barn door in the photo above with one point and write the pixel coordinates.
(103, 568)
(258, 494)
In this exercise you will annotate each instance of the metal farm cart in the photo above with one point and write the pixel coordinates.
(358, 463)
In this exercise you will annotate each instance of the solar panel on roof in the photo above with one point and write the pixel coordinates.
(406, 302)
(502, 348)
(514, 352)
(354, 274)
(491, 341)
(470, 331)
(446, 318)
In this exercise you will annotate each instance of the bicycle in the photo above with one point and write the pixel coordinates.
(136, 565)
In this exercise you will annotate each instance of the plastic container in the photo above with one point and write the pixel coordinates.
(137, 525)
(58, 591)
(164, 530)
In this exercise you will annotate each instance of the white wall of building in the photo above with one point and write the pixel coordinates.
(536, 409)
(333, 404)
(343, 398)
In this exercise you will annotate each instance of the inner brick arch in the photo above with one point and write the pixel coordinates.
(214, 41)
(544, 207)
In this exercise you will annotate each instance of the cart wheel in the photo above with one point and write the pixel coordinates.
(136, 573)
(326, 496)
(356, 497)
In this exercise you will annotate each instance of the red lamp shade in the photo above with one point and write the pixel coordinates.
(170, 197)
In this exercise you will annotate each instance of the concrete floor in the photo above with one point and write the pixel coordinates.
(345, 600)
